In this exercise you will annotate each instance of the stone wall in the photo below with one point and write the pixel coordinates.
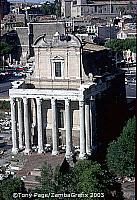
(49, 28)
(22, 33)
(28, 35)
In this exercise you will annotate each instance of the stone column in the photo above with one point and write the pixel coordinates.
(68, 129)
(87, 128)
(93, 124)
(34, 113)
(34, 139)
(20, 123)
(54, 127)
(14, 126)
(82, 130)
(26, 126)
(40, 125)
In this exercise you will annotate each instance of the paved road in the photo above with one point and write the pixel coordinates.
(131, 91)
(129, 190)
(5, 86)
(5, 157)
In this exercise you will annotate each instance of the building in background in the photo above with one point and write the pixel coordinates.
(103, 9)
(4, 8)
(128, 33)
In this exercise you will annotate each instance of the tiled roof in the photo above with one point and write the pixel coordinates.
(94, 47)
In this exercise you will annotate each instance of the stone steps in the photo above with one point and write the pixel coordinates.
(37, 161)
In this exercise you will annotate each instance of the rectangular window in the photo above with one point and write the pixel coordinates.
(74, 2)
(60, 119)
(57, 69)
(95, 8)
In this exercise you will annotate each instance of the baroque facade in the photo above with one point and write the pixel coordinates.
(56, 105)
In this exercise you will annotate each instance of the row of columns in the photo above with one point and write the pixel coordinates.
(85, 116)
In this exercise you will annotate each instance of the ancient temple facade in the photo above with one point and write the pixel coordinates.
(56, 104)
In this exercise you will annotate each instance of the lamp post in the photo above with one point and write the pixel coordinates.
(3, 61)
(110, 28)
(110, 6)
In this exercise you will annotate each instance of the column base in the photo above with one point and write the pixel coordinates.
(82, 156)
(70, 160)
(89, 153)
(15, 151)
(54, 153)
(68, 155)
(21, 147)
(27, 151)
(40, 151)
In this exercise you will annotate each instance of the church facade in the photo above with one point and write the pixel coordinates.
(56, 105)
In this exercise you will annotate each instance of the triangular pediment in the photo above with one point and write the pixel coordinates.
(57, 58)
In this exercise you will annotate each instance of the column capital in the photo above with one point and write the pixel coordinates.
(53, 101)
(67, 102)
(92, 98)
(25, 100)
(39, 100)
(87, 101)
(12, 100)
(19, 99)
(81, 103)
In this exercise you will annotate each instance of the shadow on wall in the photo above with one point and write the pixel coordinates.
(112, 114)
(13, 40)
(97, 62)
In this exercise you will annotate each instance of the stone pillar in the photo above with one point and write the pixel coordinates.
(68, 129)
(34, 139)
(93, 124)
(82, 130)
(54, 127)
(34, 113)
(40, 125)
(20, 123)
(87, 128)
(14, 126)
(26, 126)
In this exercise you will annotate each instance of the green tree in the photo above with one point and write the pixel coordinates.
(57, 8)
(118, 45)
(5, 105)
(86, 177)
(49, 8)
(10, 186)
(122, 10)
(5, 48)
(130, 7)
(46, 8)
(121, 153)
(92, 177)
